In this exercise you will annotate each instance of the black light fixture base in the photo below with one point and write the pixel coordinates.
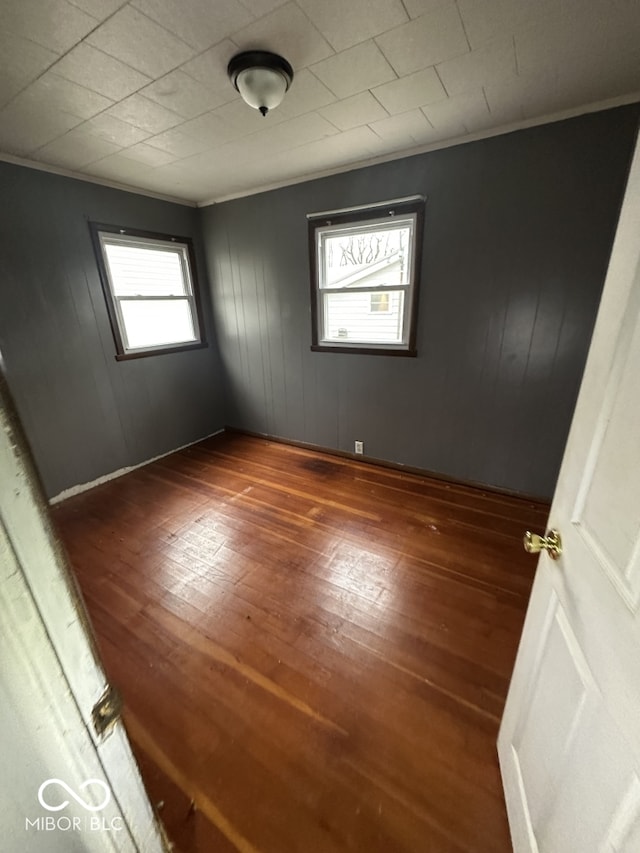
(258, 59)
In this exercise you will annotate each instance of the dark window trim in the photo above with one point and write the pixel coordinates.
(363, 349)
(414, 205)
(121, 354)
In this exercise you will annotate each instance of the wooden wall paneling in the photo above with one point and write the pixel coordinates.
(517, 238)
(85, 414)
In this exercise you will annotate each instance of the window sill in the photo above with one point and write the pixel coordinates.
(128, 356)
(364, 350)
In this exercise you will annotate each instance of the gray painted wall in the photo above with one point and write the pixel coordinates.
(517, 238)
(85, 414)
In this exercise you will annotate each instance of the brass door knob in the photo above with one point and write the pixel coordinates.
(551, 543)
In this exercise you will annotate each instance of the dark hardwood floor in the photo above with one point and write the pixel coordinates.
(314, 652)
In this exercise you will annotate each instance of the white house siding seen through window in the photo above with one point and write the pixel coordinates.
(351, 316)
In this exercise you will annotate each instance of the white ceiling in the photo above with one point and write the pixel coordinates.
(136, 93)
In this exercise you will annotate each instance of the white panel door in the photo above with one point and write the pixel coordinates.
(65, 787)
(569, 743)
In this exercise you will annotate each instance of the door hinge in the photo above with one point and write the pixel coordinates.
(107, 710)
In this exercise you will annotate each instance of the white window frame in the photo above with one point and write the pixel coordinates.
(403, 212)
(104, 235)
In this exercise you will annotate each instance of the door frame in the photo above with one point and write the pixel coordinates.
(46, 602)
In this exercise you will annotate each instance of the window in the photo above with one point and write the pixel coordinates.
(150, 288)
(365, 264)
(379, 303)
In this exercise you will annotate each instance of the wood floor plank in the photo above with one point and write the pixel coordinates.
(314, 652)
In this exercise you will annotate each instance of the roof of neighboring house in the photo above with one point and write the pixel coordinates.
(360, 273)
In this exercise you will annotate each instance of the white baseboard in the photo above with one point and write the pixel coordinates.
(83, 487)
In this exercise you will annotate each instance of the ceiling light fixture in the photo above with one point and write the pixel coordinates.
(262, 78)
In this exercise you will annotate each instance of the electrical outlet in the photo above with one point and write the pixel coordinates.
(359, 448)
